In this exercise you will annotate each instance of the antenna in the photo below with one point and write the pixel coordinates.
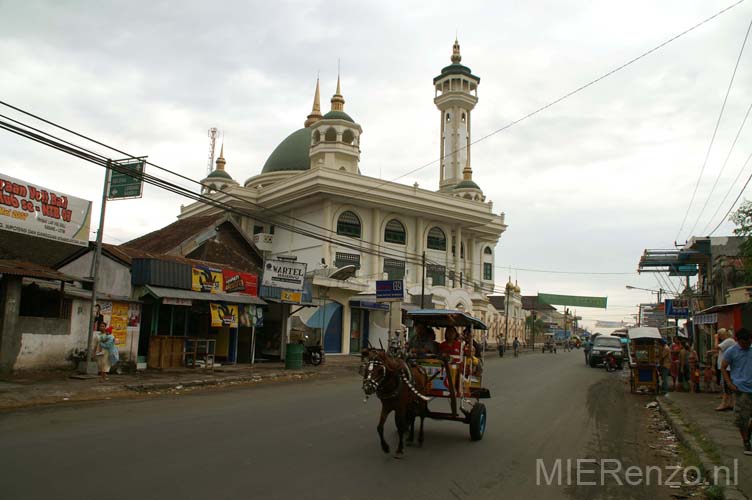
(213, 132)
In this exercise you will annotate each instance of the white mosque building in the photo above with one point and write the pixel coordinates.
(312, 181)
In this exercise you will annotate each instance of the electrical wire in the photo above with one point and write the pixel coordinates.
(712, 138)
(725, 217)
(563, 97)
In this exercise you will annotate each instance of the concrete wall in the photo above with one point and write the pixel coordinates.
(114, 278)
(47, 342)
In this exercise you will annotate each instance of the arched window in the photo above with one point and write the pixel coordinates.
(348, 137)
(488, 251)
(395, 232)
(331, 135)
(436, 239)
(348, 224)
(316, 137)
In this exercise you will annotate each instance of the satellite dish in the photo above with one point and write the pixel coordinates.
(343, 273)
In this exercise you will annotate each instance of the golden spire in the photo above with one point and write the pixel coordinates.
(316, 110)
(338, 102)
(467, 173)
(456, 57)
(221, 160)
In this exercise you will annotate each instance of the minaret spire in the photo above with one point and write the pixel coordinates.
(338, 102)
(456, 57)
(221, 160)
(316, 109)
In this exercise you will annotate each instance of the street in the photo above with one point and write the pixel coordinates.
(317, 440)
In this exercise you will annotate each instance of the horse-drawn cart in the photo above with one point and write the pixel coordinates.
(457, 378)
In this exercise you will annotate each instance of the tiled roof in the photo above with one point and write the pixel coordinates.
(530, 302)
(166, 239)
(30, 270)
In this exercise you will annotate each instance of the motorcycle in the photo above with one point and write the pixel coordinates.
(313, 355)
(612, 361)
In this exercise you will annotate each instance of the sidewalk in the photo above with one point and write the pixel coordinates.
(714, 431)
(25, 389)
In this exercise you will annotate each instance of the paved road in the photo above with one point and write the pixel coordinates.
(317, 440)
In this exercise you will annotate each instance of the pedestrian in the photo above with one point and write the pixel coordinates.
(665, 365)
(588, 346)
(725, 342)
(739, 359)
(516, 346)
(693, 362)
(675, 350)
(107, 351)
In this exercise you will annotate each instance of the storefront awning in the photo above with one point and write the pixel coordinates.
(174, 293)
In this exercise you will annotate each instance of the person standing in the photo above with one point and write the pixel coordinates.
(588, 346)
(676, 348)
(107, 351)
(665, 365)
(739, 379)
(725, 342)
(516, 346)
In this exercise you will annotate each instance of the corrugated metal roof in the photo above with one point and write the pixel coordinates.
(234, 298)
(30, 270)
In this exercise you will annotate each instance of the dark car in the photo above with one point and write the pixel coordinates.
(603, 345)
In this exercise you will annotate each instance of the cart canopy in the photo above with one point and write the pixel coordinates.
(446, 317)
(644, 333)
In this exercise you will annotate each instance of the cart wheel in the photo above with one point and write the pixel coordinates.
(477, 421)
(315, 358)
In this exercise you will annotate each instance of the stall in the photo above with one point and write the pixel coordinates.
(644, 358)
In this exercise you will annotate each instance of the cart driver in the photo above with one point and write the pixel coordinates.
(423, 342)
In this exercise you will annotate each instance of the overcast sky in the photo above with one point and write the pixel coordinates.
(586, 185)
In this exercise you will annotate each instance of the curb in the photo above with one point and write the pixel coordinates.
(678, 425)
(280, 376)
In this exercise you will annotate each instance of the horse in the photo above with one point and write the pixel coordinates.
(399, 387)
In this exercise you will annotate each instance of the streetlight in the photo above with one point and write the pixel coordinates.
(659, 291)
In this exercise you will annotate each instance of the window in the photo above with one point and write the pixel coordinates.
(316, 137)
(347, 259)
(348, 224)
(436, 273)
(487, 271)
(258, 229)
(39, 302)
(348, 137)
(488, 251)
(436, 239)
(271, 229)
(395, 232)
(331, 135)
(394, 268)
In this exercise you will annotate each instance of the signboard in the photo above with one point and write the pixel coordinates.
(677, 308)
(240, 282)
(172, 301)
(127, 183)
(706, 319)
(572, 300)
(390, 290)
(37, 211)
(207, 279)
(123, 317)
(283, 274)
(608, 324)
(224, 314)
(290, 296)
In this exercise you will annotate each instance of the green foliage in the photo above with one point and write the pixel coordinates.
(537, 328)
(742, 218)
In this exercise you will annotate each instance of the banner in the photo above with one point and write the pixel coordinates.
(224, 314)
(283, 274)
(37, 211)
(240, 282)
(207, 279)
(572, 300)
(608, 324)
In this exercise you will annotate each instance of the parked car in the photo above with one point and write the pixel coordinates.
(601, 346)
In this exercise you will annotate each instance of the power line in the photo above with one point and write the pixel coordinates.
(725, 217)
(731, 186)
(565, 96)
(712, 138)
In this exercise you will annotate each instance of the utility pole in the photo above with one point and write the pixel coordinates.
(423, 282)
(506, 317)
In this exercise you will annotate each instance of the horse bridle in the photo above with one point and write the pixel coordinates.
(370, 383)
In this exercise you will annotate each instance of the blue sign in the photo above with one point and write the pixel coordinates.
(390, 290)
(677, 308)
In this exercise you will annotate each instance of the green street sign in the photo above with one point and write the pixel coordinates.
(123, 183)
(572, 300)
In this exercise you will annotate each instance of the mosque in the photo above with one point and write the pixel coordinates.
(334, 216)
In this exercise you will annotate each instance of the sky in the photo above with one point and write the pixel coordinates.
(586, 185)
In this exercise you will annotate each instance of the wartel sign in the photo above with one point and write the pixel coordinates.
(283, 274)
(36, 211)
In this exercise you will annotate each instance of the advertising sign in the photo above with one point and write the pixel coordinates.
(677, 308)
(124, 319)
(173, 301)
(126, 183)
(224, 314)
(572, 300)
(290, 296)
(240, 283)
(207, 279)
(389, 290)
(37, 211)
(283, 274)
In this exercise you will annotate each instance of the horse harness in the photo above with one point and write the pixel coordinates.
(404, 376)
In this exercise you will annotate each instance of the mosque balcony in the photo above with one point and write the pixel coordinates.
(263, 241)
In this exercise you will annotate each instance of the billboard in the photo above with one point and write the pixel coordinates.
(283, 274)
(224, 314)
(207, 279)
(677, 308)
(240, 282)
(123, 317)
(34, 210)
(572, 300)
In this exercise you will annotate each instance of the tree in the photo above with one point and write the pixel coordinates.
(536, 328)
(742, 218)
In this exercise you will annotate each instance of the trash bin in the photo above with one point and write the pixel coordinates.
(294, 356)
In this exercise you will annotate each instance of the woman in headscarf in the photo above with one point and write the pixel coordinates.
(107, 351)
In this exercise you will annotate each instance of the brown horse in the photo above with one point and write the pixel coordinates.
(400, 388)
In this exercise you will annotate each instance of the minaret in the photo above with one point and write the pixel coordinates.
(218, 179)
(316, 110)
(456, 94)
(335, 140)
